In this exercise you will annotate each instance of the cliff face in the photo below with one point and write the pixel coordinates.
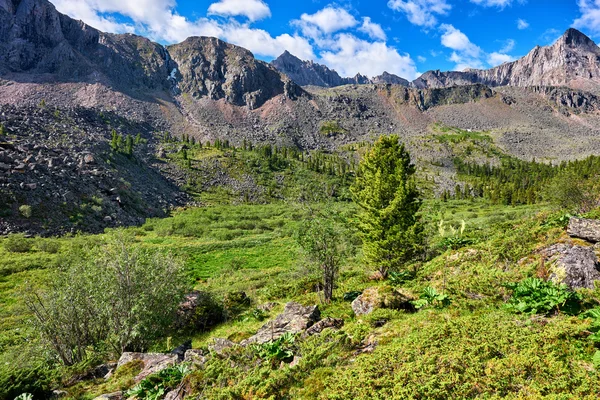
(573, 61)
(210, 67)
(35, 39)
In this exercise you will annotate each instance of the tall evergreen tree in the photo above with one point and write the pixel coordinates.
(385, 190)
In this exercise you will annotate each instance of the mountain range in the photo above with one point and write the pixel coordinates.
(66, 87)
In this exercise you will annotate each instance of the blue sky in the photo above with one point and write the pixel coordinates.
(405, 37)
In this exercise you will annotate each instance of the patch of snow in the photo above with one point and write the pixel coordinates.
(173, 73)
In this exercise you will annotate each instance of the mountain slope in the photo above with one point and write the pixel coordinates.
(573, 61)
(309, 73)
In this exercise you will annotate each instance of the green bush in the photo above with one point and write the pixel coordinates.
(17, 243)
(154, 387)
(536, 296)
(281, 349)
(118, 295)
(430, 297)
(26, 211)
(48, 246)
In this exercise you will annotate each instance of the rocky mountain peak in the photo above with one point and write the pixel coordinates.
(574, 38)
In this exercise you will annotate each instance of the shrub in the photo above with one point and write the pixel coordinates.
(430, 297)
(48, 246)
(26, 211)
(281, 349)
(157, 385)
(117, 295)
(17, 243)
(536, 296)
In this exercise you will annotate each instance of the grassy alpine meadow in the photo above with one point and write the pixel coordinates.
(470, 346)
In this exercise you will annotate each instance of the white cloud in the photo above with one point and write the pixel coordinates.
(456, 40)
(254, 10)
(421, 59)
(351, 55)
(495, 59)
(158, 20)
(261, 42)
(590, 16)
(509, 45)
(522, 24)
(372, 29)
(466, 54)
(325, 22)
(493, 3)
(421, 12)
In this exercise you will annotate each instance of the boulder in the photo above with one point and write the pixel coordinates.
(583, 228)
(333, 323)
(575, 266)
(294, 319)
(195, 356)
(381, 297)
(198, 311)
(110, 396)
(89, 159)
(219, 345)
(153, 362)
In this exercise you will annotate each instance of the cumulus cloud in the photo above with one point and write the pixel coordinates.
(325, 22)
(590, 16)
(509, 45)
(421, 12)
(456, 40)
(522, 24)
(493, 3)
(467, 55)
(375, 31)
(495, 59)
(254, 10)
(352, 55)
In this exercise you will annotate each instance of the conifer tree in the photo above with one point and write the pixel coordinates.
(385, 190)
(129, 146)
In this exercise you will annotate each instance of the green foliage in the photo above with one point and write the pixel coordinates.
(397, 278)
(575, 189)
(26, 211)
(49, 246)
(386, 192)
(331, 128)
(430, 297)
(352, 295)
(321, 238)
(24, 396)
(154, 387)
(18, 243)
(594, 316)
(536, 296)
(2, 130)
(281, 349)
(116, 295)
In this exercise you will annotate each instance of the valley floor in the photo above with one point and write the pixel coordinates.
(473, 347)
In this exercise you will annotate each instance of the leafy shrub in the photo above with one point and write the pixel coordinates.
(26, 211)
(352, 295)
(48, 246)
(17, 243)
(397, 278)
(154, 387)
(208, 311)
(117, 295)
(234, 303)
(536, 296)
(281, 349)
(430, 297)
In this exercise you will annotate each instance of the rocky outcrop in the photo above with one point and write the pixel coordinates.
(390, 79)
(209, 67)
(575, 266)
(572, 61)
(317, 328)
(152, 362)
(425, 99)
(381, 297)
(295, 318)
(583, 228)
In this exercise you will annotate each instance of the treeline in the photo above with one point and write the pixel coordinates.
(515, 181)
(276, 158)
